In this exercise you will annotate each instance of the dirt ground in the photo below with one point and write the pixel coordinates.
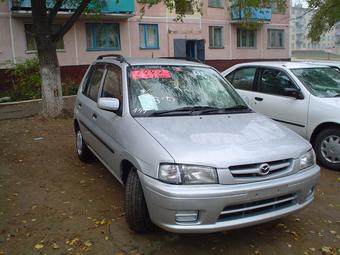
(51, 203)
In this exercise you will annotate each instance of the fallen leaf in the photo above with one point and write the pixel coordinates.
(55, 246)
(326, 250)
(333, 232)
(106, 238)
(38, 246)
(312, 249)
(88, 243)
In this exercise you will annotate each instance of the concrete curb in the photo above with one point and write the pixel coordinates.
(29, 101)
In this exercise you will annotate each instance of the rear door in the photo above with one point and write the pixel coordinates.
(243, 80)
(87, 105)
(269, 99)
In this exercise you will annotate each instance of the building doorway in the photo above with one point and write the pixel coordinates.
(191, 49)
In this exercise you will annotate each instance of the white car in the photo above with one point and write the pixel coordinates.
(304, 97)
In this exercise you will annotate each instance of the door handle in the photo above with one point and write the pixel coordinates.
(258, 98)
(94, 116)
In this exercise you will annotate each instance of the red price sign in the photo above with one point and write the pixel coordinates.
(150, 74)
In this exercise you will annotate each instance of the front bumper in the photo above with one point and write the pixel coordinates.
(164, 201)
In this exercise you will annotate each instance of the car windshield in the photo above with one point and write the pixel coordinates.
(179, 89)
(322, 81)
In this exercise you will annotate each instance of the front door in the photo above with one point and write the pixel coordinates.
(269, 98)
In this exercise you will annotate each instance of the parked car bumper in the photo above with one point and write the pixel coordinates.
(223, 207)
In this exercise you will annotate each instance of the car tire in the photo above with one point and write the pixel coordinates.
(136, 211)
(83, 152)
(327, 145)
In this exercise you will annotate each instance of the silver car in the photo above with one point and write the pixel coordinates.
(192, 156)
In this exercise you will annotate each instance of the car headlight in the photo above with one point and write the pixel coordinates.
(187, 174)
(307, 159)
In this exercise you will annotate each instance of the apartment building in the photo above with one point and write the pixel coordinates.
(300, 18)
(216, 35)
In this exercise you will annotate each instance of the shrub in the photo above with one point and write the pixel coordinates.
(26, 80)
(70, 88)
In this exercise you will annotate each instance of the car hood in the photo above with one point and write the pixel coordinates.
(333, 101)
(224, 140)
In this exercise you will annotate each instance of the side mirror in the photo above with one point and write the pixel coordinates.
(293, 92)
(108, 103)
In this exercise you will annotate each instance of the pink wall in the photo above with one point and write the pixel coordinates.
(194, 27)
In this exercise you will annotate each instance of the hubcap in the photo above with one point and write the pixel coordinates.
(79, 143)
(330, 149)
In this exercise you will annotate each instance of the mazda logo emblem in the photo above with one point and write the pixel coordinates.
(264, 169)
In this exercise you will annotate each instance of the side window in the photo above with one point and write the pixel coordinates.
(93, 84)
(230, 77)
(112, 83)
(274, 82)
(243, 78)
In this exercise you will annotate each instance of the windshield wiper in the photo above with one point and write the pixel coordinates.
(233, 109)
(183, 110)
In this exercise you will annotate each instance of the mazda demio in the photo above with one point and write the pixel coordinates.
(193, 157)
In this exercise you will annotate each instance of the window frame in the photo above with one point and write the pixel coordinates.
(255, 80)
(35, 44)
(259, 76)
(188, 8)
(90, 27)
(247, 31)
(88, 79)
(119, 70)
(222, 37)
(269, 38)
(220, 6)
(144, 25)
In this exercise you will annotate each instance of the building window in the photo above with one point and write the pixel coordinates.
(103, 36)
(275, 38)
(277, 10)
(246, 38)
(30, 41)
(216, 37)
(184, 5)
(216, 3)
(148, 36)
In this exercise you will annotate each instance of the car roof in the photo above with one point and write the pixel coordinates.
(281, 64)
(152, 61)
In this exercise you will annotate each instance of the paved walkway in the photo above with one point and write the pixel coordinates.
(28, 109)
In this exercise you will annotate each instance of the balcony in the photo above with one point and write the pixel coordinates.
(251, 15)
(122, 8)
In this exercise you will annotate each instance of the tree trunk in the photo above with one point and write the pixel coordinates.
(51, 91)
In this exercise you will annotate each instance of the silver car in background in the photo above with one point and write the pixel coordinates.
(192, 156)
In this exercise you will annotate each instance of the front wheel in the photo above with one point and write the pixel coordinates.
(327, 148)
(136, 211)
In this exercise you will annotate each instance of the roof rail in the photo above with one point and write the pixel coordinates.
(184, 58)
(118, 57)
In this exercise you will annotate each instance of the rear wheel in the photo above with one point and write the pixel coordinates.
(136, 211)
(327, 148)
(84, 154)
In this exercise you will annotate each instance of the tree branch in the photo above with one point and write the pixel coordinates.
(69, 23)
(54, 11)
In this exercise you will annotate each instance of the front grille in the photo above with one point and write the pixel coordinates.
(253, 170)
(234, 212)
